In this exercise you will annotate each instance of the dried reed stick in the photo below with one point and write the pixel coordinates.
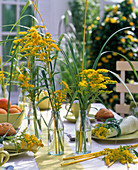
(77, 161)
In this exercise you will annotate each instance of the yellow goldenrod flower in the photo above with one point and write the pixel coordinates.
(130, 54)
(122, 59)
(107, 19)
(109, 56)
(114, 54)
(124, 51)
(23, 33)
(123, 40)
(133, 8)
(129, 2)
(111, 100)
(89, 27)
(115, 96)
(119, 48)
(36, 26)
(113, 21)
(97, 38)
(130, 36)
(98, 18)
(124, 18)
(99, 64)
(100, 27)
(23, 143)
(55, 46)
(131, 23)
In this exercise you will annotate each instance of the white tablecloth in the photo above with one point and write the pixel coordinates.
(26, 161)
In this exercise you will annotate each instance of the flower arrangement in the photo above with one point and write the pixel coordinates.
(36, 46)
(38, 51)
(88, 85)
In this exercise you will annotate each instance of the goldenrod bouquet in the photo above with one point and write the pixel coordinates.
(39, 51)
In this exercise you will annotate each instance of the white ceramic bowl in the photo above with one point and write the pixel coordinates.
(12, 118)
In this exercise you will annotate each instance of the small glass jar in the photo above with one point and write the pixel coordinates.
(83, 133)
(55, 135)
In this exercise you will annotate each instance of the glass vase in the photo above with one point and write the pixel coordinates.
(23, 102)
(55, 135)
(3, 92)
(83, 133)
(34, 120)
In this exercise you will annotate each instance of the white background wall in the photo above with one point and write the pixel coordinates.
(51, 11)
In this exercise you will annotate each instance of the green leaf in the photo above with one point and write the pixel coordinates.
(117, 76)
(46, 97)
(72, 100)
(72, 52)
(25, 7)
(19, 22)
(99, 55)
(69, 65)
(135, 72)
(135, 152)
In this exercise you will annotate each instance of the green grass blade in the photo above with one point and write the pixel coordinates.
(117, 76)
(69, 65)
(99, 55)
(72, 52)
(135, 72)
(19, 22)
(25, 7)
(71, 102)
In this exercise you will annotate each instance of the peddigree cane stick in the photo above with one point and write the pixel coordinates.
(55, 136)
(81, 137)
(3, 84)
(128, 164)
(84, 37)
(111, 163)
(77, 161)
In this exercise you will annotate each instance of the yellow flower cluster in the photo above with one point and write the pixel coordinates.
(129, 2)
(60, 96)
(1, 75)
(32, 43)
(121, 154)
(93, 81)
(100, 131)
(31, 140)
(24, 79)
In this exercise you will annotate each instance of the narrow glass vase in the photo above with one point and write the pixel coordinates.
(55, 135)
(23, 102)
(34, 120)
(83, 133)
